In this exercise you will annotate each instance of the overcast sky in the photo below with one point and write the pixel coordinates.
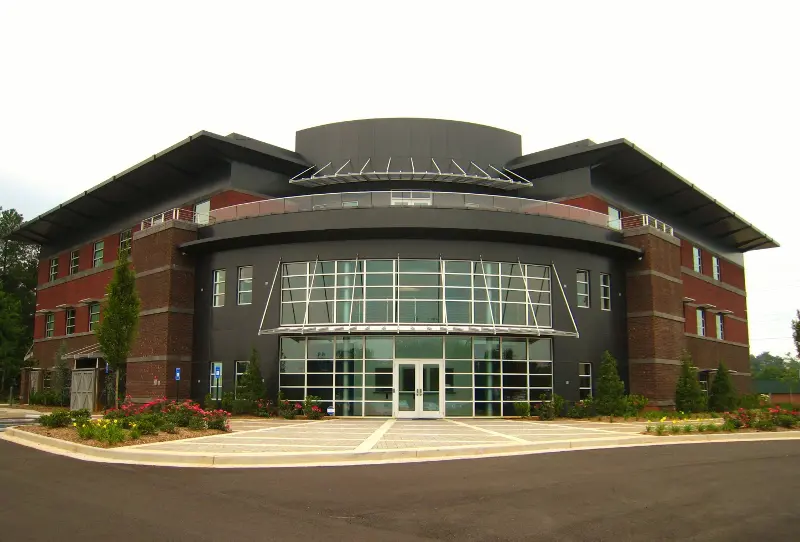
(88, 89)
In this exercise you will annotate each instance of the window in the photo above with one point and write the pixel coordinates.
(720, 326)
(202, 212)
(53, 269)
(697, 259)
(412, 198)
(125, 241)
(219, 288)
(701, 322)
(74, 261)
(241, 368)
(94, 315)
(415, 292)
(716, 268)
(49, 324)
(215, 381)
(97, 255)
(245, 289)
(585, 379)
(70, 321)
(614, 218)
(583, 289)
(605, 291)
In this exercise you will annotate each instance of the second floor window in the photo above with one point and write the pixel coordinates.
(701, 322)
(614, 218)
(219, 288)
(74, 261)
(53, 269)
(202, 212)
(720, 326)
(70, 321)
(49, 324)
(125, 241)
(97, 257)
(245, 285)
(605, 291)
(583, 288)
(94, 316)
(697, 259)
(716, 268)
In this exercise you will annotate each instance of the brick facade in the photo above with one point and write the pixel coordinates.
(165, 281)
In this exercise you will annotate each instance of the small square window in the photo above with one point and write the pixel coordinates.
(53, 269)
(97, 255)
(74, 261)
(583, 289)
(219, 288)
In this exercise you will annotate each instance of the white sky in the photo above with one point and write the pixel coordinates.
(88, 89)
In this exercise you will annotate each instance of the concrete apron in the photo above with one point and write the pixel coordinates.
(139, 456)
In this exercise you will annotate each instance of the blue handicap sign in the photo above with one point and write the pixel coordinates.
(106, 367)
(177, 373)
(217, 371)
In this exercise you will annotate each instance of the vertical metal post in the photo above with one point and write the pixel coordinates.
(524, 270)
(488, 297)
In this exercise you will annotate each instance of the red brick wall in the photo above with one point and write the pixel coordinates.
(591, 202)
(232, 197)
(706, 292)
(706, 354)
(730, 272)
(45, 351)
(655, 381)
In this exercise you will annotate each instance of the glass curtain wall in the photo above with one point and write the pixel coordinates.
(484, 376)
(415, 292)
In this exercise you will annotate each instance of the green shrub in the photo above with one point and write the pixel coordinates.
(648, 428)
(763, 424)
(59, 418)
(311, 408)
(701, 428)
(251, 383)
(581, 409)
(80, 415)
(786, 420)
(722, 396)
(545, 409)
(610, 398)
(147, 427)
(169, 427)
(688, 428)
(750, 401)
(197, 423)
(288, 409)
(242, 406)
(714, 428)
(689, 396)
(635, 405)
(263, 407)
(227, 401)
(729, 425)
(661, 429)
(209, 403)
(218, 419)
(135, 433)
(674, 429)
(522, 409)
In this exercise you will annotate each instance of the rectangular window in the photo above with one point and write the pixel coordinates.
(70, 321)
(202, 212)
(97, 255)
(245, 289)
(215, 381)
(583, 288)
(125, 241)
(412, 198)
(605, 291)
(74, 261)
(53, 269)
(701, 322)
(219, 287)
(241, 368)
(49, 324)
(585, 379)
(614, 218)
(720, 326)
(697, 259)
(716, 268)
(94, 315)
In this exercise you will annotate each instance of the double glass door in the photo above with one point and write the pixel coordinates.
(419, 389)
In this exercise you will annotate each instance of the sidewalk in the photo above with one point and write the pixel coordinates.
(272, 443)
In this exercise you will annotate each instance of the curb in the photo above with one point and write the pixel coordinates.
(140, 456)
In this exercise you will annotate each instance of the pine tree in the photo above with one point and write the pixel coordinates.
(722, 396)
(117, 329)
(689, 396)
(11, 329)
(251, 385)
(610, 400)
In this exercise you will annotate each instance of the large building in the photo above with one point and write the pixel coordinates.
(401, 267)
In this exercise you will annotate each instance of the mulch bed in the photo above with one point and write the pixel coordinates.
(71, 435)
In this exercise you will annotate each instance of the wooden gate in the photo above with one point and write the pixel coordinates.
(83, 390)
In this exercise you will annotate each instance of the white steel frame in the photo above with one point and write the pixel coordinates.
(605, 291)
(74, 261)
(419, 396)
(218, 278)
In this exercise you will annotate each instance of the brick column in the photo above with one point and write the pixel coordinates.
(165, 281)
(654, 291)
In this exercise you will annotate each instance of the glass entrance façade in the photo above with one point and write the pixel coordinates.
(417, 375)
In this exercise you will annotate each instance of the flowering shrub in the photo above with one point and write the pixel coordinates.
(762, 419)
(263, 407)
(581, 409)
(108, 431)
(311, 407)
(161, 411)
(287, 410)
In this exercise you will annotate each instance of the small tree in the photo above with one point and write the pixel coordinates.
(117, 330)
(610, 400)
(722, 396)
(689, 396)
(61, 375)
(251, 385)
(11, 329)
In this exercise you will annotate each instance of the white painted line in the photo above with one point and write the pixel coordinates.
(375, 437)
(489, 431)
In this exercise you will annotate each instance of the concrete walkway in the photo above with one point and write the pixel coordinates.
(273, 443)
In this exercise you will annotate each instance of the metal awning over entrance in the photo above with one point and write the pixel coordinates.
(407, 169)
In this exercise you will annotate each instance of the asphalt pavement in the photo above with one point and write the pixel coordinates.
(724, 492)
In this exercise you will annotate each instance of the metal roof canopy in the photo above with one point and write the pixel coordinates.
(406, 169)
(631, 167)
(171, 170)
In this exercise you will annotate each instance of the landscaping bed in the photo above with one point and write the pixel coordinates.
(741, 420)
(70, 434)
